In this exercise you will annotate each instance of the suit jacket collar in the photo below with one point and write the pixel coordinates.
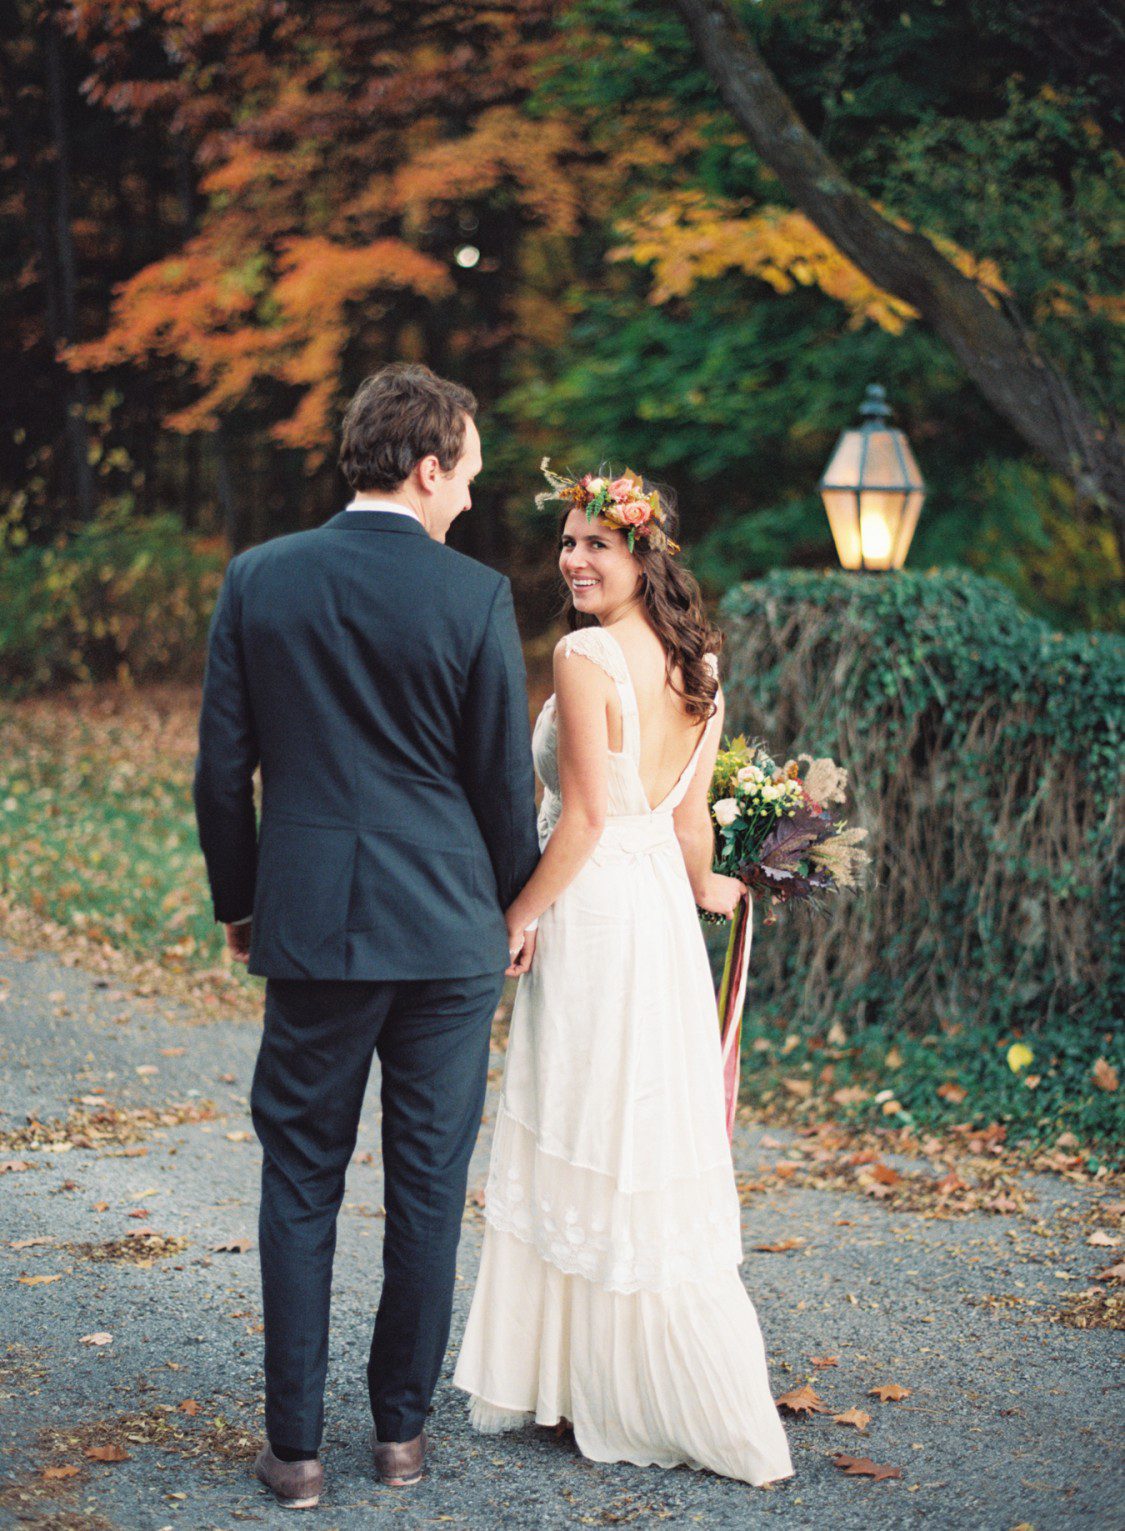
(376, 521)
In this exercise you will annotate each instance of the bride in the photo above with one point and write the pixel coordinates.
(609, 1293)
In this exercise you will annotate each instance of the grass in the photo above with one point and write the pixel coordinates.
(97, 830)
(97, 833)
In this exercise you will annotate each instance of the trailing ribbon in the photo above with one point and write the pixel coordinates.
(732, 997)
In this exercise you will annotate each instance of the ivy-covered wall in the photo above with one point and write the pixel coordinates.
(985, 758)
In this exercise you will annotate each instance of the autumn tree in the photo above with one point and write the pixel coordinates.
(340, 159)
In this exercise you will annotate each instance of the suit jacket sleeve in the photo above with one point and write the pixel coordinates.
(224, 768)
(496, 750)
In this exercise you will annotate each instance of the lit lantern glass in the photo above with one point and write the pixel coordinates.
(872, 490)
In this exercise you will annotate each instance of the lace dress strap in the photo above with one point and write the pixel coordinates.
(602, 648)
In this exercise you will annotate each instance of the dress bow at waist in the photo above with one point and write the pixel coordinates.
(627, 837)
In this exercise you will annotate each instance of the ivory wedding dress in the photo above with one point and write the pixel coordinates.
(609, 1292)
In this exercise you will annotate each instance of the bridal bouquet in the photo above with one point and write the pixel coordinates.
(779, 831)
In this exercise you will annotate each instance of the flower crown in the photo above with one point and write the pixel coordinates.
(621, 502)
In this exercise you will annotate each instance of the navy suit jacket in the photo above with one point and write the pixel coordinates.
(377, 678)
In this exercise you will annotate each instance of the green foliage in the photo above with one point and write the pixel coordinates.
(736, 393)
(121, 598)
(1062, 1098)
(986, 759)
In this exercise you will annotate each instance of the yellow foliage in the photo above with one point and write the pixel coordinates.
(691, 237)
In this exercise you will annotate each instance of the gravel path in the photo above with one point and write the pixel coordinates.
(1011, 1420)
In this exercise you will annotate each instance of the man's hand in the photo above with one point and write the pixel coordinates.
(520, 954)
(238, 941)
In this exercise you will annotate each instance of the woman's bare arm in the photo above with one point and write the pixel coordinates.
(692, 820)
(582, 692)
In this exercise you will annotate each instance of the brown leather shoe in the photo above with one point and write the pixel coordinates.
(296, 1485)
(398, 1464)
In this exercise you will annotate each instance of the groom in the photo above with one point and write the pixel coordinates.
(376, 677)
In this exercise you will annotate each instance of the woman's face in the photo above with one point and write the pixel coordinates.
(603, 577)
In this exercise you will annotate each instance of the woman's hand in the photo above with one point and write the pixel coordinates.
(521, 944)
(720, 895)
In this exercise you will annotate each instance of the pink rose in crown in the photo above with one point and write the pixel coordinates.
(622, 490)
(634, 513)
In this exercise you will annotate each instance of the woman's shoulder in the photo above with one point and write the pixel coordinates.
(594, 644)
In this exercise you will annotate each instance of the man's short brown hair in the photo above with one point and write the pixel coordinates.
(400, 414)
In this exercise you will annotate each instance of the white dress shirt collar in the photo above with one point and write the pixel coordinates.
(372, 502)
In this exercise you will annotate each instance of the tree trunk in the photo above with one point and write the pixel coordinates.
(991, 342)
(66, 265)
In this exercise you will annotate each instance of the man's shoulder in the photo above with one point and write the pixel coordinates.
(461, 584)
(468, 572)
(290, 545)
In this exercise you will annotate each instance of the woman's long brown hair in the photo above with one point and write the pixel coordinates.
(675, 611)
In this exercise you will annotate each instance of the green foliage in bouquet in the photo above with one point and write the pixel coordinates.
(776, 829)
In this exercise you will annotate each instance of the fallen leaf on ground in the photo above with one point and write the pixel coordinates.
(1099, 1239)
(238, 1137)
(864, 1467)
(1112, 1272)
(147, 1068)
(951, 1183)
(890, 1392)
(849, 1095)
(885, 1175)
(107, 1454)
(954, 1093)
(802, 1399)
(780, 1247)
(854, 1417)
(68, 1471)
(140, 1212)
(1105, 1075)
(802, 1088)
(101, 1338)
(100, 1206)
(29, 1243)
(825, 1360)
(173, 1052)
(38, 1280)
(1019, 1056)
(13, 1166)
(233, 1247)
(189, 1407)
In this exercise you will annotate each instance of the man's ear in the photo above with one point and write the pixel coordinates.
(427, 471)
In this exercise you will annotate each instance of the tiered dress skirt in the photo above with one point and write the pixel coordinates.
(609, 1292)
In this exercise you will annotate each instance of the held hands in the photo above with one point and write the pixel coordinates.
(720, 895)
(521, 945)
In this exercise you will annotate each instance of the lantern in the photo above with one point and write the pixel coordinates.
(872, 490)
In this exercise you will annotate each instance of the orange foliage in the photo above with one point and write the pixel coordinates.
(329, 148)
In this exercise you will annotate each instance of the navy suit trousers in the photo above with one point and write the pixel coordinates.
(432, 1038)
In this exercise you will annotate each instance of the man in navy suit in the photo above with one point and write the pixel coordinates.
(376, 678)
